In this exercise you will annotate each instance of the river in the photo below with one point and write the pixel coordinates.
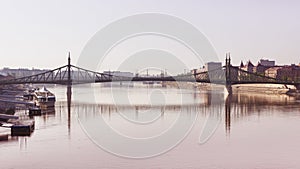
(154, 127)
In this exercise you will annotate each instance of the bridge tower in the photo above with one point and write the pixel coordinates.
(69, 83)
(69, 70)
(228, 73)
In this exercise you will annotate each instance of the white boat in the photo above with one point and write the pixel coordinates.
(44, 98)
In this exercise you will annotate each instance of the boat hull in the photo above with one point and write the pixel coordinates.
(46, 105)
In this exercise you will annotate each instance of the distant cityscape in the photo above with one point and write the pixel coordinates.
(269, 68)
(20, 72)
(264, 67)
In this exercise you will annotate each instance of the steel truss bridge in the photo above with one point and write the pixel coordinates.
(71, 75)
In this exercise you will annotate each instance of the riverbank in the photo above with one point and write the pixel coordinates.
(263, 88)
(239, 88)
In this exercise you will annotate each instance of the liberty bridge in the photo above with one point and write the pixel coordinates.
(228, 75)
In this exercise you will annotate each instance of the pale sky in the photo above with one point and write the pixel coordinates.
(39, 33)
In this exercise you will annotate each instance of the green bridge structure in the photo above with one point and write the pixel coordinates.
(227, 75)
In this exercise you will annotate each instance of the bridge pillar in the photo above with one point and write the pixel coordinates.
(228, 74)
(69, 70)
(69, 83)
(298, 86)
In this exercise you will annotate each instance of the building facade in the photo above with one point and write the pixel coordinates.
(267, 62)
(248, 67)
(285, 73)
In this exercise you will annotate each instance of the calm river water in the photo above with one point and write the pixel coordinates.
(152, 127)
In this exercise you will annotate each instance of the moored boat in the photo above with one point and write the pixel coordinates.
(44, 98)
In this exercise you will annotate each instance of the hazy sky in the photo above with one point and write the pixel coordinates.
(40, 33)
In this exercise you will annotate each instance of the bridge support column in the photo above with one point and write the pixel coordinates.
(229, 89)
(69, 93)
(69, 70)
(298, 87)
(228, 74)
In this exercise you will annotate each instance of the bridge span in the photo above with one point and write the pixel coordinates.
(227, 75)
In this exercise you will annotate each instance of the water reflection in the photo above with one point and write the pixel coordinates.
(69, 97)
(263, 129)
(228, 113)
(240, 106)
(230, 108)
(213, 104)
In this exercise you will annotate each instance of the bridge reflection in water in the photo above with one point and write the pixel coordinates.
(227, 110)
(229, 113)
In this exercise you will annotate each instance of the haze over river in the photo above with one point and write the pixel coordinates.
(241, 131)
